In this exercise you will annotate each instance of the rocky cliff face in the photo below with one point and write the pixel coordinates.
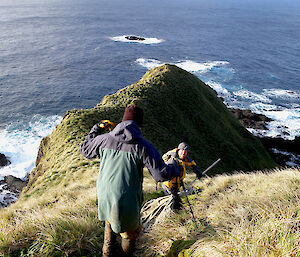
(250, 119)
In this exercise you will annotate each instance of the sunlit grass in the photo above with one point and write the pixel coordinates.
(239, 215)
(56, 214)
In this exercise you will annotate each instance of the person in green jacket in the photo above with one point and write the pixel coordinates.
(123, 153)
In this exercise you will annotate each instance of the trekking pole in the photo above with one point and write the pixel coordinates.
(189, 204)
(203, 173)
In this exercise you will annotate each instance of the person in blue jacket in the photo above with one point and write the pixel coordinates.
(123, 153)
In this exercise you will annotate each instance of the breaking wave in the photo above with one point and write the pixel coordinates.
(221, 91)
(187, 65)
(20, 142)
(255, 97)
(192, 66)
(281, 93)
(149, 63)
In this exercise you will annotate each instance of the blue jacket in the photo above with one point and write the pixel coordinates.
(123, 153)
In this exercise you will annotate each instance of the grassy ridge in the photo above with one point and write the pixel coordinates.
(57, 209)
(180, 107)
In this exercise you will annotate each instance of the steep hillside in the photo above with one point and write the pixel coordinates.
(240, 215)
(57, 210)
(178, 107)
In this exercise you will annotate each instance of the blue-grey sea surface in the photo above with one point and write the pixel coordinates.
(57, 55)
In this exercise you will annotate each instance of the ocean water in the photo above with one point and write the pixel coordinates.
(57, 55)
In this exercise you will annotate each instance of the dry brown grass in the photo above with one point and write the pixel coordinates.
(255, 214)
(239, 215)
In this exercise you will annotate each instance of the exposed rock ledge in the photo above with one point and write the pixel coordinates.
(284, 152)
(3, 160)
(250, 119)
(10, 189)
(14, 184)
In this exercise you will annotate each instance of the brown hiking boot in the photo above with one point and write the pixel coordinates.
(109, 241)
(128, 247)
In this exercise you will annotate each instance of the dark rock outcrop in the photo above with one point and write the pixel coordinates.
(282, 144)
(250, 119)
(14, 184)
(283, 151)
(135, 38)
(10, 189)
(3, 160)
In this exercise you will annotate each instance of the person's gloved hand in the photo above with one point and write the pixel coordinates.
(199, 175)
(198, 172)
(106, 124)
(96, 130)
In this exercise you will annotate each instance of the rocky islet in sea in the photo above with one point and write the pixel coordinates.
(135, 38)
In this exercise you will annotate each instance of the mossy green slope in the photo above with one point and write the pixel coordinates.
(57, 211)
(178, 107)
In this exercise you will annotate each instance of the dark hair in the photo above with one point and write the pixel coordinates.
(134, 113)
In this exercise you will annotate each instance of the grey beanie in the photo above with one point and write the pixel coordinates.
(184, 146)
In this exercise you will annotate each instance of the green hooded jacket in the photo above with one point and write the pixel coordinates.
(123, 153)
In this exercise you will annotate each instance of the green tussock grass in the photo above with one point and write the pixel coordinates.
(237, 215)
(192, 113)
(58, 207)
(66, 230)
(241, 215)
(63, 224)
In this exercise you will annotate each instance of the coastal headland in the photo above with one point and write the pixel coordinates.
(56, 212)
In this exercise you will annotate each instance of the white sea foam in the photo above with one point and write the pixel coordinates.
(148, 63)
(192, 66)
(246, 94)
(20, 142)
(281, 93)
(187, 65)
(147, 41)
(285, 124)
(221, 91)
(260, 107)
